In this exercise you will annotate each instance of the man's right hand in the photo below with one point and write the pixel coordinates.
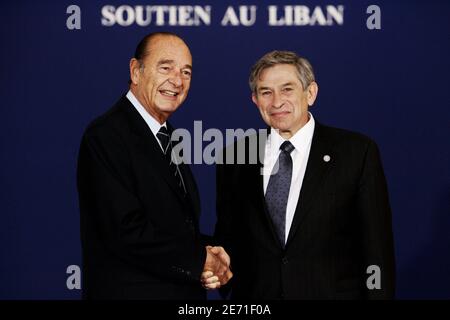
(216, 271)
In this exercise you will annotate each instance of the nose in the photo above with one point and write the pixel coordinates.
(175, 79)
(277, 101)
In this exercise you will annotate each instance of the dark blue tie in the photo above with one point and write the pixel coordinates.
(164, 137)
(277, 192)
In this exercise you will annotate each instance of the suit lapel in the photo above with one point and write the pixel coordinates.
(147, 142)
(189, 182)
(316, 171)
(191, 188)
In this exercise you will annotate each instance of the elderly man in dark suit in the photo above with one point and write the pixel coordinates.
(310, 219)
(139, 207)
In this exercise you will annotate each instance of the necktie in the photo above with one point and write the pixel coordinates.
(277, 192)
(164, 137)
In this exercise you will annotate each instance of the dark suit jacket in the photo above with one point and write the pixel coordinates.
(140, 237)
(342, 225)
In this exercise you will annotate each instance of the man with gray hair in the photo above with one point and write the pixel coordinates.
(312, 219)
(139, 210)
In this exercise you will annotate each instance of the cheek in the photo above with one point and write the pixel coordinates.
(264, 110)
(186, 87)
(266, 115)
(300, 105)
(150, 88)
(157, 82)
(304, 101)
(265, 105)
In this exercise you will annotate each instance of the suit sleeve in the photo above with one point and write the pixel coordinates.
(375, 212)
(111, 211)
(223, 234)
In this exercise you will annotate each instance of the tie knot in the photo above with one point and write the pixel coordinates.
(164, 138)
(163, 130)
(287, 146)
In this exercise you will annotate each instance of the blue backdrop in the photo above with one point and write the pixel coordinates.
(391, 84)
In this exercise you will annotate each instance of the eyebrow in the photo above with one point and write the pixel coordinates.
(170, 61)
(283, 85)
(165, 61)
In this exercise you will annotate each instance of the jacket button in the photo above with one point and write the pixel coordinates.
(285, 260)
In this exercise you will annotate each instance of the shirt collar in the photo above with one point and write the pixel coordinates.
(152, 123)
(300, 139)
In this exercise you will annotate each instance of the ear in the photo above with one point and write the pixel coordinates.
(254, 99)
(312, 91)
(134, 71)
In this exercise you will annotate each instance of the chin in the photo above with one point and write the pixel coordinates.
(170, 107)
(280, 126)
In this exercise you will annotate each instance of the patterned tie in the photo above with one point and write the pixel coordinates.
(166, 143)
(277, 192)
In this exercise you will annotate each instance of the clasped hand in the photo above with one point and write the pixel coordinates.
(216, 271)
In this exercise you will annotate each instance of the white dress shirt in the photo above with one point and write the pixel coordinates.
(301, 140)
(152, 123)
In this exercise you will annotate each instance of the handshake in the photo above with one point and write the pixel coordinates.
(216, 271)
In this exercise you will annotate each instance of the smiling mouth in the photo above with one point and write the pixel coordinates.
(169, 93)
(279, 114)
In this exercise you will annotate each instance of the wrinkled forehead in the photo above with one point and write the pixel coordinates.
(277, 75)
(170, 48)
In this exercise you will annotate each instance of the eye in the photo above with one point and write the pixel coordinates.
(186, 73)
(164, 69)
(265, 93)
(287, 89)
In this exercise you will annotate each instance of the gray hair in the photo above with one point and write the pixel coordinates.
(304, 68)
